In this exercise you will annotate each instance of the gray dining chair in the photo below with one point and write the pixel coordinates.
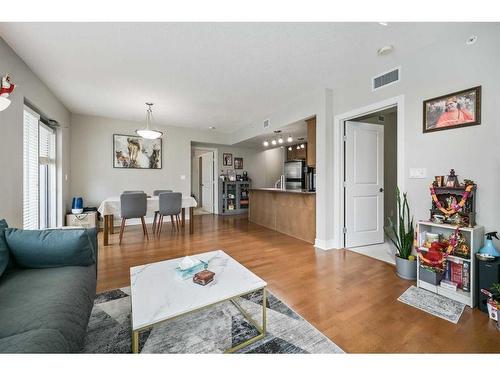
(170, 205)
(155, 194)
(132, 191)
(133, 206)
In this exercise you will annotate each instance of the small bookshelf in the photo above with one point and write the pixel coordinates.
(474, 239)
(234, 197)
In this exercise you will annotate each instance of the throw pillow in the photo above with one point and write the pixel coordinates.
(51, 247)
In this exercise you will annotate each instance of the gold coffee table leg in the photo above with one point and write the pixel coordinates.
(260, 329)
(135, 342)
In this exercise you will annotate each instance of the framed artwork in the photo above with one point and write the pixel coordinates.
(455, 110)
(131, 151)
(238, 163)
(227, 159)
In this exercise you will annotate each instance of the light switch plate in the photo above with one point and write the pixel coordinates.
(418, 172)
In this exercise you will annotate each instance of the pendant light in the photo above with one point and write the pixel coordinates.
(266, 143)
(147, 132)
(273, 142)
(289, 139)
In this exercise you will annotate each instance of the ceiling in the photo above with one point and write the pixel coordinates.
(296, 130)
(226, 75)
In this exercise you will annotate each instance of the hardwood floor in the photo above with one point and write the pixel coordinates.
(349, 297)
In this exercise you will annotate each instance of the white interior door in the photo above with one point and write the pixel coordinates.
(364, 184)
(207, 181)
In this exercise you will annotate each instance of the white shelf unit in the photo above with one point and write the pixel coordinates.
(474, 237)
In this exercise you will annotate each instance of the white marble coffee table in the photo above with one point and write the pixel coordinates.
(158, 294)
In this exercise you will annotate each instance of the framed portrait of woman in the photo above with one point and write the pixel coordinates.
(227, 160)
(455, 110)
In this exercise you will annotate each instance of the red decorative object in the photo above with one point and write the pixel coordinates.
(7, 86)
(456, 274)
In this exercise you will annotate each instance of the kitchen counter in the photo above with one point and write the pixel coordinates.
(292, 191)
(292, 212)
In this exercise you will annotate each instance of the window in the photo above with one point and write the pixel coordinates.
(39, 190)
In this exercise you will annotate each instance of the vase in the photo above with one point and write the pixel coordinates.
(406, 269)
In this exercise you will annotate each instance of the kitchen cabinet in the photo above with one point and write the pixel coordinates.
(311, 142)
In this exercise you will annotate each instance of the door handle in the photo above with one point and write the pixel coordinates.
(381, 190)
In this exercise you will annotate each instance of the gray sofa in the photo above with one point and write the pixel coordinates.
(45, 308)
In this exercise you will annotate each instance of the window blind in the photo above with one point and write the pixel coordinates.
(30, 170)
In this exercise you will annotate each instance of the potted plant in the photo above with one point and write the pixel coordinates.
(495, 302)
(402, 236)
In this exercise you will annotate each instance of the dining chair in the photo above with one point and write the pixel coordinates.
(132, 191)
(133, 206)
(155, 194)
(170, 205)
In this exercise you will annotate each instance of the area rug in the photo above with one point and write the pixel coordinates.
(211, 330)
(433, 303)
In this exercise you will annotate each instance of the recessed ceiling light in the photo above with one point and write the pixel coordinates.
(383, 23)
(385, 50)
(471, 40)
(265, 143)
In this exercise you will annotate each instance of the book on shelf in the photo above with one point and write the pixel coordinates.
(456, 273)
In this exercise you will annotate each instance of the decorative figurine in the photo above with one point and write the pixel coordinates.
(7, 87)
(452, 180)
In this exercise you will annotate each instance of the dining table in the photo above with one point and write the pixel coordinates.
(110, 207)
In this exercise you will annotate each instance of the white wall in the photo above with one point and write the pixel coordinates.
(93, 175)
(29, 87)
(471, 151)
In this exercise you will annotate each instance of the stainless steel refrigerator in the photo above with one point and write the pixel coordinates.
(295, 177)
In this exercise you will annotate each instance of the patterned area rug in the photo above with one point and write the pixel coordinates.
(211, 330)
(433, 303)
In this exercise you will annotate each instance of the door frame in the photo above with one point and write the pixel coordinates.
(338, 157)
(216, 168)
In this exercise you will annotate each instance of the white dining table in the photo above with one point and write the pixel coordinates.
(110, 207)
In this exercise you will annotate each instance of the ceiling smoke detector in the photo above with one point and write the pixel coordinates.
(385, 50)
(471, 40)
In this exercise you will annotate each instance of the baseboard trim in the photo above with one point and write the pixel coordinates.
(324, 244)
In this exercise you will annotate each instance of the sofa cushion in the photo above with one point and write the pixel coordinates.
(51, 247)
(58, 299)
(35, 341)
(4, 249)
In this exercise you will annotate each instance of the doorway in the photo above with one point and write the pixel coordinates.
(370, 174)
(204, 184)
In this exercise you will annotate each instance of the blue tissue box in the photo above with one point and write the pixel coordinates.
(190, 272)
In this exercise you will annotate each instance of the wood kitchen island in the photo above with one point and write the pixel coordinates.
(292, 212)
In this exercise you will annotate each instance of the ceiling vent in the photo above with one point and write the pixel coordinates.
(267, 123)
(386, 79)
